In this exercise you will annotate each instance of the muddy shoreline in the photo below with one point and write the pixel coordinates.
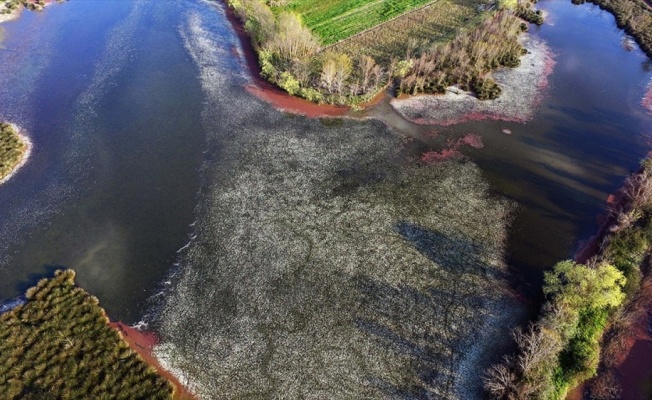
(266, 91)
(143, 343)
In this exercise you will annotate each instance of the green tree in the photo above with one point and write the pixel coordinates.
(577, 286)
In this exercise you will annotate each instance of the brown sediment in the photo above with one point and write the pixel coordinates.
(267, 91)
(143, 343)
(285, 102)
(635, 372)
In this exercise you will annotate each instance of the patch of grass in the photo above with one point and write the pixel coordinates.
(59, 345)
(334, 20)
(12, 149)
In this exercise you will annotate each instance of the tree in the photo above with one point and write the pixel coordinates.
(367, 65)
(577, 286)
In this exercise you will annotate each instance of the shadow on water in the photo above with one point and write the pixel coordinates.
(33, 278)
(438, 248)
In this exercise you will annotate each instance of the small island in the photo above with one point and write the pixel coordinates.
(14, 150)
(9, 9)
(58, 344)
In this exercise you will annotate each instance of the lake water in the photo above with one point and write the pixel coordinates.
(128, 141)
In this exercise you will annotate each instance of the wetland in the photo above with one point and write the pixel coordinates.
(274, 253)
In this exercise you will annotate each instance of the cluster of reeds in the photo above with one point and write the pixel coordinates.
(59, 345)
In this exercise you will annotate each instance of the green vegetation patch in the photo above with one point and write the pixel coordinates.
(334, 20)
(12, 149)
(59, 345)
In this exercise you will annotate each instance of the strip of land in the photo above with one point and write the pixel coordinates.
(15, 149)
(346, 52)
(592, 310)
(522, 89)
(634, 16)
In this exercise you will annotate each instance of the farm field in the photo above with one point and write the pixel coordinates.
(437, 22)
(334, 20)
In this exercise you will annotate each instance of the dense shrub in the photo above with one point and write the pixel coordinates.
(12, 149)
(59, 343)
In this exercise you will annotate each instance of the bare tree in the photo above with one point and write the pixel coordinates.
(367, 65)
(328, 75)
(500, 381)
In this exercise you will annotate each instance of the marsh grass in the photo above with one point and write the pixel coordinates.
(59, 345)
(12, 149)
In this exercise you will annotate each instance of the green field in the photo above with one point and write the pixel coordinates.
(334, 20)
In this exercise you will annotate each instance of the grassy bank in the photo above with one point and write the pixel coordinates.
(589, 308)
(12, 150)
(419, 46)
(59, 345)
(634, 16)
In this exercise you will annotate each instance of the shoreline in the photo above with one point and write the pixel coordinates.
(11, 16)
(16, 13)
(265, 90)
(25, 156)
(143, 343)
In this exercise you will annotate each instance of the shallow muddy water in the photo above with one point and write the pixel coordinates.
(142, 126)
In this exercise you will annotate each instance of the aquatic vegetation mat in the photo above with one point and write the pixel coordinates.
(59, 345)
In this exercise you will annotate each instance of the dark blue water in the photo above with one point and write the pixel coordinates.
(111, 101)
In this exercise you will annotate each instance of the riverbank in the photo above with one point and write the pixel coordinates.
(143, 343)
(523, 89)
(589, 341)
(15, 152)
(265, 90)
